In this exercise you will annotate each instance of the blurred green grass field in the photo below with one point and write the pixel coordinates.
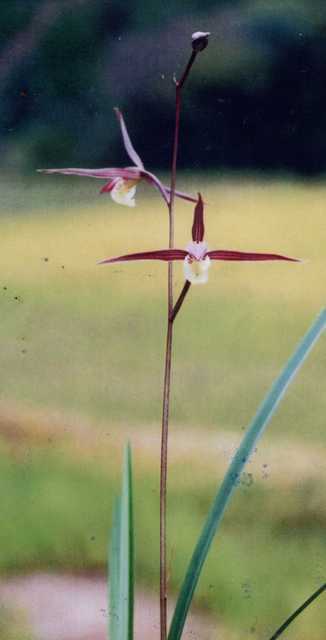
(89, 339)
(84, 343)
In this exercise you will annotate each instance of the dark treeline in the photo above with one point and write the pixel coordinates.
(256, 99)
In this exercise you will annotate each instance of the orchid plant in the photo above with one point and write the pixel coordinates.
(121, 184)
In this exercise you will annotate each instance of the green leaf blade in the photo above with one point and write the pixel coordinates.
(231, 478)
(121, 560)
(114, 572)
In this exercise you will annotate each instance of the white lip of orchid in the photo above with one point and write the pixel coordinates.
(197, 250)
(124, 192)
(196, 271)
(196, 263)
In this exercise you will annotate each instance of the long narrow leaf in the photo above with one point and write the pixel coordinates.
(114, 572)
(126, 552)
(121, 560)
(234, 471)
(297, 612)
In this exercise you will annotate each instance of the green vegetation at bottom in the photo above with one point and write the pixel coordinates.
(269, 555)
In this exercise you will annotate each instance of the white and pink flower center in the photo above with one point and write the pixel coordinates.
(196, 263)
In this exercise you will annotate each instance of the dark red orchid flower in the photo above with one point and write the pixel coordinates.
(121, 183)
(196, 258)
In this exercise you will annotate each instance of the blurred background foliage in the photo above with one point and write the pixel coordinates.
(256, 101)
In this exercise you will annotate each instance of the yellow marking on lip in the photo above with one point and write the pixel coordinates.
(126, 185)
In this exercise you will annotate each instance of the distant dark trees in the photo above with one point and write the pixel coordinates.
(256, 100)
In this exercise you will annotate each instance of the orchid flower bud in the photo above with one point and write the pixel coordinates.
(199, 40)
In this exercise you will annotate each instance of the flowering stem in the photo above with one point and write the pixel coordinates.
(180, 300)
(172, 312)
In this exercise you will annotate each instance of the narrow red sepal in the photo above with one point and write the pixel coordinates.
(162, 254)
(128, 174)
(198, 228)
(249, 256)
(132, 153)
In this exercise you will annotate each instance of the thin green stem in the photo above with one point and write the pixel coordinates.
(297, 612)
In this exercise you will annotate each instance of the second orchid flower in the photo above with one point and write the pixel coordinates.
(121, 183)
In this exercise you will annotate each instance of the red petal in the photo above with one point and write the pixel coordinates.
(109, 186)
(129, 173)
(241, 255)
(133, 155)
(198, 228)
(162, 254)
